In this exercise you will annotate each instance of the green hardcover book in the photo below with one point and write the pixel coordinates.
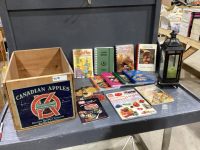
(103, 60)
(123, 78)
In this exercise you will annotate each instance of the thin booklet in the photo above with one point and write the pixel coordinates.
(90, 110)
(129, 104)
(154, 95)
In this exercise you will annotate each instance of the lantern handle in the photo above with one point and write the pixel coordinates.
(173, 34)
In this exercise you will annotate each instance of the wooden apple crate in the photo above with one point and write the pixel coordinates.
(30, 68)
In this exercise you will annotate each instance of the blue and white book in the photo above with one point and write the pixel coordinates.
(138, 77)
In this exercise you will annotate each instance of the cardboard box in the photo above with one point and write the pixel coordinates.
(39, 86)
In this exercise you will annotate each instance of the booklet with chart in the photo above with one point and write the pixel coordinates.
(129, 104)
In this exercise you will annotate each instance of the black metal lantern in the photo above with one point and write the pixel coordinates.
(170, 61)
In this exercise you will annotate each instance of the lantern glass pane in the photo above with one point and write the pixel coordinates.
(162, 61)
(172, 66)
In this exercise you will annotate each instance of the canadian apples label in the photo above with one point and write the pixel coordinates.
(45, 103)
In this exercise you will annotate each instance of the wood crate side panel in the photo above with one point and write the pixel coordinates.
(65, 64)
(32, 82)
(37, 63)
(2, 46)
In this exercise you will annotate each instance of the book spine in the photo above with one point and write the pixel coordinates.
(115, 58)
(124, 72)
(118, 77)
(107, 80)
(111, 51)
(94, 83)
(95, 61)
(137, 59)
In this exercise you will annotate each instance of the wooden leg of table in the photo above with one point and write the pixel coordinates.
(166, 37)
(184, 45)
(166, 138)
(189, 52)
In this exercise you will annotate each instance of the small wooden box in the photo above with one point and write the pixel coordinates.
(39, 86)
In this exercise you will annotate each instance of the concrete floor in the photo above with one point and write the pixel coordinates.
(186, 137)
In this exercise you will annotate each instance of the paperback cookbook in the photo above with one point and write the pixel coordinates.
(83, 63)
(123, 78)
(154, 95)
(138, 77)
(100, 83)
(129, 104)
(91, 110)
(124, 57)
(111, 79)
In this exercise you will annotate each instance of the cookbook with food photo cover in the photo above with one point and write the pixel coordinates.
(124, 57)
(88, 91)
(138, 77)
(129, 104)
(154, 95)
(100, 83)
(111, 79)
(90, 110)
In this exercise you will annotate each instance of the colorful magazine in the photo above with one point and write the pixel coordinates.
(83, 63)
(90, 110)
(129, 104)
(124, 57)
(111, 79)
(154, 95)
(138, 77)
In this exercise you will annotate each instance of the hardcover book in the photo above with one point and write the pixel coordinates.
(154, 95)
(83, 63)
(90, 110)
(138, 77)
(104, 60)
(129, 104)
(111, 79)
(124, 57)
(123, 78)
(146, 57)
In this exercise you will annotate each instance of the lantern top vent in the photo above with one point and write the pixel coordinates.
(172, 43)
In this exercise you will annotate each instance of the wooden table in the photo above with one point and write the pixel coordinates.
(194, 45)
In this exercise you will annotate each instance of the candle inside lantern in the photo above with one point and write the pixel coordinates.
(171, 72)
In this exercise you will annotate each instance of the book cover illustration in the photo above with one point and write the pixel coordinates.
(124, 57)
(111, 79)
(138, 77)
(154, 95)
(41, 104)
(79, 94)
(129, 104)
(100, 83)
(104, 60)
(123, 78)
(83, 63)
(90, 110)
(88, 91)
(146, 57)
(99, 95)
